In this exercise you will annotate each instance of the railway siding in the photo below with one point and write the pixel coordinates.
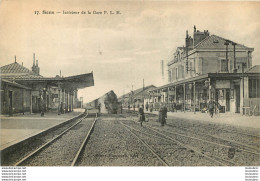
(62, 151)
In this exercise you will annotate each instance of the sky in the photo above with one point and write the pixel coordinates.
(121, 49)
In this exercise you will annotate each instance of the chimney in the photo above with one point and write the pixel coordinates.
(33, 59)
(188, 40)
(199, 36)
(15, 59)
(33, 67)
(37, 68)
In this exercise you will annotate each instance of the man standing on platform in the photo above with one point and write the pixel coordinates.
(42, 105)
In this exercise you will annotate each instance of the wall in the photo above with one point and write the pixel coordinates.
(21, 100)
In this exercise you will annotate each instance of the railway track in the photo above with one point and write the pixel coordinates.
(214, 160)
(227, 145)
(37, 151)
(145, 144)
(223, 141)
(256, 135)
(226, 142)
(221, 128)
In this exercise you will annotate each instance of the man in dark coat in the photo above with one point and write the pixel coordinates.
(163, 114)
(141, 115)
(211, 106)
(151, 107)
(42, 105)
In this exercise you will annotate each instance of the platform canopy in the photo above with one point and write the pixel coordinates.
(68, 83)
(18, 74)
(78, 81)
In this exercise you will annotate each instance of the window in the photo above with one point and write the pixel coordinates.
(254, 88)
(224, 65)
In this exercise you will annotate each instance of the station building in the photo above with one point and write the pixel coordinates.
(207, 68)
(136, 97)
(25, 90)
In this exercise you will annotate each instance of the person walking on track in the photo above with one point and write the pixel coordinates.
(211, 107)
(163, 114)
(141, 115)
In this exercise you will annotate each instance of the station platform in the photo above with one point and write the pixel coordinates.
(17, 128)
(234, 119)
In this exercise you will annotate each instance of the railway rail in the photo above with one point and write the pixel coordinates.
(213, 159)
(239, 145)
(243, 147)
(227, 144)
(57, 137)
(256, 135)
(145, 144)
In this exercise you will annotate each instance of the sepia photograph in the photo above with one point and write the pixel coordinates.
(130, 86)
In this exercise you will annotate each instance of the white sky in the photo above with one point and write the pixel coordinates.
(132, 43)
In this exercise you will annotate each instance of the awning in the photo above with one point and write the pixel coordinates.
(78, 81)
(14, 84)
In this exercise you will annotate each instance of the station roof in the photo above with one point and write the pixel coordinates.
(78, 81)
(15, 84)
(220, 76)
(18, 74)
(15, 68)
(139, 93)
(217, 42)
(69, 83)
